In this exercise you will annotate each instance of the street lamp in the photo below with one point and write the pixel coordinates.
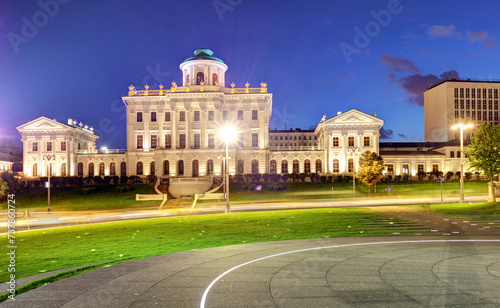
(227, 134)
(461, 126)
(48, 158)
(353, 150)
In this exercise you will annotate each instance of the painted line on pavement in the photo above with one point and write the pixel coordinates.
(207, 290)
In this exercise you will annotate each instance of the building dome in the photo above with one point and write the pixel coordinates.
(203, 54)
(203, 69)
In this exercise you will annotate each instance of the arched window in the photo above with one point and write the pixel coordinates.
(35, 169)
(295, 168)
(210, 167)
(319, 166)
(272, 166)
(139, 168)
(123, 168)
(241, 166)
(101, 169)
(195, 168)
(215, 79)
(80, 169)
(255, 166)
(91, 169)
(200, 77)
(350, 165)
(152, 168)
(180, 167)
(166, 168)
(112, 169)
(307, 166)
(336, 166)
(284, 166)
(63, 169)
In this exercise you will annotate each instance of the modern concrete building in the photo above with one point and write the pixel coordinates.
(455, 101)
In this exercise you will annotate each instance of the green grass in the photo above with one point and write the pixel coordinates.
(58, 248)
(478, 211)
(74, 199)
(302, 191)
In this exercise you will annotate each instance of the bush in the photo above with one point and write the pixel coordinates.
(322, 179)
(468, 176)
(406, 177)
(123, 179)
(266, 177)
(256, 177)
(151, 178)
(278, 187)
(248, 186)
(421, 175)
(248, 177)
(37, 183)
(123, 189)
(449, 175)
(238, 178)
(88, 190)
(116, 179)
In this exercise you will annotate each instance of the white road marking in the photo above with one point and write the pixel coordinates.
(207, 290)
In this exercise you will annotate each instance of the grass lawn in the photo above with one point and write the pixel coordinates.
(477, 211)
(57, 248)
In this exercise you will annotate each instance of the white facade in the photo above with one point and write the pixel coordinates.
(174, 132)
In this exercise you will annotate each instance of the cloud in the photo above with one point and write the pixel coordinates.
(399, 65)
(415, 85)
(386, 133)
(482, 37)
(402, 135)
(442, 31)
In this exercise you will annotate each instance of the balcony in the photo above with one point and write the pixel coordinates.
(196, 88)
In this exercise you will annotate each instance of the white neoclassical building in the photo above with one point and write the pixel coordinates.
(175, 132)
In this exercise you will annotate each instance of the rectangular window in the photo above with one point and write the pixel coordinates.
(335, 142)
(459, 154)
(479, 115)
(452, 153)
(490, 115)
(168, 141)
(63, 146)
(224, 115)
(420, 168)
(456, 114)
(484, 104)
(496, 116)
(495, 105)
(390, 167)
(490, 104)
(467, 114)
(435, 167)
(240, 139)
(406, 169)
(478, 104)
(196, 115)
(34, 147)
(467, 93)
(461, 92)
(240, 115)
(456, 104)
(154, 141)
(461, 114)
(182, 141)
(182, 116)
(49, 146)
(461, 104)
(467, 104)
(473, 104)
(139, 116)
(495, 94)
(484, 115)
(478, 93)
(210, 115)
(490, 93)
(366, 141)
(255, 140)
(484, 93)
(473, 94)
(255, 115)
(167, 116)
(139, 141)
(153, 116)
(211, 141)
(196, 141)
(473, 116)
(456, 92)
(351, 141)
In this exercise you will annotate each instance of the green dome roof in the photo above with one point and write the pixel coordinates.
(203, 54)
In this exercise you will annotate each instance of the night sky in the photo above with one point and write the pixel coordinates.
(75, 59)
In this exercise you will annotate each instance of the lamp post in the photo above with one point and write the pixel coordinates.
(354, 150)
(462, 127)
(48, 158)
(227, 134)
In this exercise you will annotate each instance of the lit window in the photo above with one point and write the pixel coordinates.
(366, 141)
(154, 141)
(211, 141)
(182, 141)
(351, 141)
(168, 141)
(34, 146)
(63, 146)
(139, 116)
(167, 116)
(49, 146)
(153, 116)
(139, 141)
(182, 116)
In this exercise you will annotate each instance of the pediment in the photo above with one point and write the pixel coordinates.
(43, 123)
(354, 116)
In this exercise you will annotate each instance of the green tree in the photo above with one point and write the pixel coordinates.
(3, 188)
(370, 171)
(484, 154)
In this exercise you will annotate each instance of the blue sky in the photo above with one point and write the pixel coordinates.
(75, 59)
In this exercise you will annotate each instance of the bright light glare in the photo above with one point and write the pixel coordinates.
(463, 126)
(227, 133)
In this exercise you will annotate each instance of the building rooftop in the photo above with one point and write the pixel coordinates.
(203, 54)
(461, 80)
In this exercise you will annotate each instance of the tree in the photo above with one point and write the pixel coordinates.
(370, 171)
(3, 188)
(484, 154)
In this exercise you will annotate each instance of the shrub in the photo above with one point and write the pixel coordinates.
(37, 183)
(239, 178)
(116, 179)
(123, 189)
(123, 179)
(322, 179)
(277, 186)
(449, 175)
(406, 177)
(266, 177)
(151, 178)
(256, 177)
(248, 186)
(248, 177)
(468, 176)
(302, 177)
(421, 175)
(88, 190)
